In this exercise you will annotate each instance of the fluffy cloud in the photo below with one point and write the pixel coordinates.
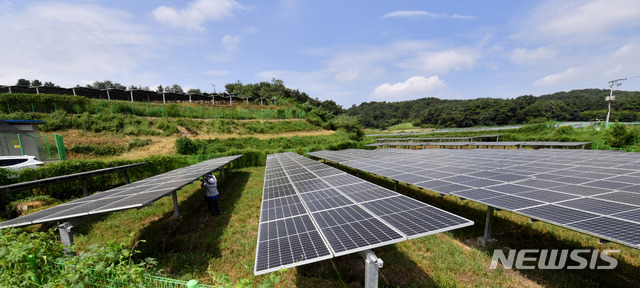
(73, 43)
(197, 13)
(558, 77)
(442, 61)
(575, 22)
(531, 56)
(414, 87)
(230, 42)
(418, 14)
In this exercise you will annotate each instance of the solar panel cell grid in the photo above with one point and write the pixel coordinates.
(133, 195)
(573, 179)
(334, 201)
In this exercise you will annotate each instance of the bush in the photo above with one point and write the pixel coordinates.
(185, 146)
(37, 260)
(350, 125)
(621, 135)
(564, 130)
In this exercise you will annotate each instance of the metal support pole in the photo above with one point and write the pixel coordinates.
(371, 266)
(176, 212)
(85, 189)
(222, 172)
(229, 167)
(66, 236)
(20, 143)
(395, 186)
(488, 224)
(126, 177)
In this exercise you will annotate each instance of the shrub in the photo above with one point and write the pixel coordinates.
(185, 146)
(37, 260)
(621, 135)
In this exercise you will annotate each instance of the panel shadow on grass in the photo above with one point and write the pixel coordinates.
(398, 271)
(184, 246)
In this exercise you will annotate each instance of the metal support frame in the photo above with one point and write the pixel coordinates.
(488, 225)
(371, 266)
(395, 185)
(176, 212)
(126, 177)
(603, 241)
(66, 236)
(85, 189)
(222, 172)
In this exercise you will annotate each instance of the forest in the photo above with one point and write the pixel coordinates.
(575, 105)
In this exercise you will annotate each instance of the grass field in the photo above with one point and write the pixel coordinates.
(199, 246)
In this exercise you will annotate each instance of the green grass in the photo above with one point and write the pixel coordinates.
(197, 245)
(402, 126)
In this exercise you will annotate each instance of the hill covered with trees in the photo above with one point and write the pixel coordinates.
(575, 105)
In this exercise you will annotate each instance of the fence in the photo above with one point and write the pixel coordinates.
(159, 110)
(111, 280)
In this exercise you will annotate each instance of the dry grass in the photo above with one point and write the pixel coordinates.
(160, 145)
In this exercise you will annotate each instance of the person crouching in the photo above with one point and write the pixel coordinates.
(210, 184)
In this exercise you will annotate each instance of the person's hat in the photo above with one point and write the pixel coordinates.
(211, 180)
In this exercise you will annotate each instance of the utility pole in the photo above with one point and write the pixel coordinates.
(613, 83)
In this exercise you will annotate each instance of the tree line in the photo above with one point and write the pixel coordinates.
(575, 105)
(264, 89)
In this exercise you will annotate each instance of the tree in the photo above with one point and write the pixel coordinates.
(160, 89)
(232, 88)
(106, 84)
(194, 91)
(23, 82)
(50, 84)
(175, 88)
(36, 83)
(134, 87)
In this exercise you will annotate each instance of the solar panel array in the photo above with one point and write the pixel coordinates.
(311, 212)
(591, 191)
(64, 178)
(479, 144)
(134, 195)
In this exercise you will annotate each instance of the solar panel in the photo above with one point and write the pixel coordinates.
(134, 195)
(575, 189)
(344, 211)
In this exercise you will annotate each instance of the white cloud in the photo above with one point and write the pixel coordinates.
(575, 22)
(566, 75)
(71, 43)
(442, 61)
(230, 42)
(626, 50)
(196, 13)
(414, 87)
(217, 73)
(418, 14)
(531, 56)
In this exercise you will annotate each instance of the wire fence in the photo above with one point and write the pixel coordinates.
(111, 280)
(157, 110)
(12, 103)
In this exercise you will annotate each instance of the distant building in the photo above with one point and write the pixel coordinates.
(21, 137)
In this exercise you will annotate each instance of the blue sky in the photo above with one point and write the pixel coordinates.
(346, 51)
